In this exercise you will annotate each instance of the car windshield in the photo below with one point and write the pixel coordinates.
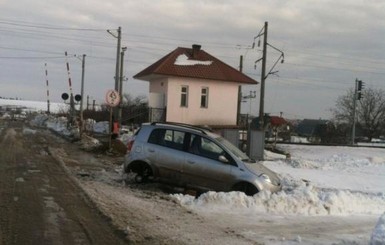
(237, 152)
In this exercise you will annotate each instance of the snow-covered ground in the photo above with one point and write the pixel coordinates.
(34, 105)
(331, 195)
(321, 184)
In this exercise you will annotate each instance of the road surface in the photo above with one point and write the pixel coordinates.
(39, 202)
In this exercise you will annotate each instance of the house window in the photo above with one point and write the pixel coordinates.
(204, 97)
(184, 97)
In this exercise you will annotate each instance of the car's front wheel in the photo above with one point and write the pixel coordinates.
(143, 172)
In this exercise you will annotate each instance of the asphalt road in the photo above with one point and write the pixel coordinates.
(39, 202)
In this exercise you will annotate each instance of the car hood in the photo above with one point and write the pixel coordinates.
(258, 169)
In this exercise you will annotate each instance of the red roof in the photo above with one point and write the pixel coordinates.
(277, 121)
(194, 63)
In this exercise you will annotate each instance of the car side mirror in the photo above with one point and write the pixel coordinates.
(223, 159)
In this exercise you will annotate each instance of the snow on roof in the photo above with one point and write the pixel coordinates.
(183, 60)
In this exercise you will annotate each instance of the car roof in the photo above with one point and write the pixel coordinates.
(181, 126)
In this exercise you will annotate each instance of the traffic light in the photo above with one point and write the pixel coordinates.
(360, 87)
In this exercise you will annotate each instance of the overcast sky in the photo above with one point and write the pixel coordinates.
(327, 45)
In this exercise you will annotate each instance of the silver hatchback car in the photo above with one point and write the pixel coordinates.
(195, 158)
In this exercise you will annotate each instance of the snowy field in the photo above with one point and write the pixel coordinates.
(34, 105)
(324, 188)
(331, 195)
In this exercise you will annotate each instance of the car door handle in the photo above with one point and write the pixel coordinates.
(190, 161)
(151, 150)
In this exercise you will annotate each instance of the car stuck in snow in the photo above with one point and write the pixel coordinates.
(195, 158)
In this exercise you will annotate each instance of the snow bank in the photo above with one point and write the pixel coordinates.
(27, 131)
(302, 200)
(316, 181)
(101, 127)
(378, 235)
(39, 120)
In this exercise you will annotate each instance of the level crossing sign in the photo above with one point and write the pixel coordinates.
(112, 98)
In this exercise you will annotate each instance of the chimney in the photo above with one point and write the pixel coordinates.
(195, 50)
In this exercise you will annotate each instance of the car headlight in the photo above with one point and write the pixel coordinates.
(265, 177)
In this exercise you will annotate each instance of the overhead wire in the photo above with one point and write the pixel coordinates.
(44, 26)
(132, 39)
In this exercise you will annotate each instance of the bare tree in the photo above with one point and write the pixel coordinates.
(370, 111)
(371, 115)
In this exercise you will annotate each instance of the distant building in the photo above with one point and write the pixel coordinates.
(312, 129)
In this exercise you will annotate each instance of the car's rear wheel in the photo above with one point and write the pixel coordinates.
(246, 188)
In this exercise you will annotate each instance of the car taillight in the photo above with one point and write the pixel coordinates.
(129, 145)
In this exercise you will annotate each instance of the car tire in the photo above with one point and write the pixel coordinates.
(144, 174)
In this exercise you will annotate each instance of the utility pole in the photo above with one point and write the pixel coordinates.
(121, 85)
(239, 93)
(119, 37)
(82, 96)
(263, 77)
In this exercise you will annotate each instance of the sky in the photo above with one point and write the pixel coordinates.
(327, 45)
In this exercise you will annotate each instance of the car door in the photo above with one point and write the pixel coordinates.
(166, 147)
(202, 167)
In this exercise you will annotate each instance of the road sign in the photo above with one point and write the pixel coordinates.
(112, 98)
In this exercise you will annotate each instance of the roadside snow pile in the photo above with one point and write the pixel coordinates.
(57, 124)
(39, 120)
(324, 157)
(378, 235)
(101, 127)
(27, 131)
(88, 143)
(302, 200)
(316, 181)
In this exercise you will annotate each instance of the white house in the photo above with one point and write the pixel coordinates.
(191, 86)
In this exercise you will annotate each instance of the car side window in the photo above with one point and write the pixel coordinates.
(155, 136)
(205, 147)
(168, 138)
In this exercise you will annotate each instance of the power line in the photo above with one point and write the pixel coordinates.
(336, 68)
(41, 36)
(43, 26)
(145, 40)
(32, 57)
(151, 42)
(30, 50)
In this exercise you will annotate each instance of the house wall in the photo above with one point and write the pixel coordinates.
(222, 102)
(158, 91)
